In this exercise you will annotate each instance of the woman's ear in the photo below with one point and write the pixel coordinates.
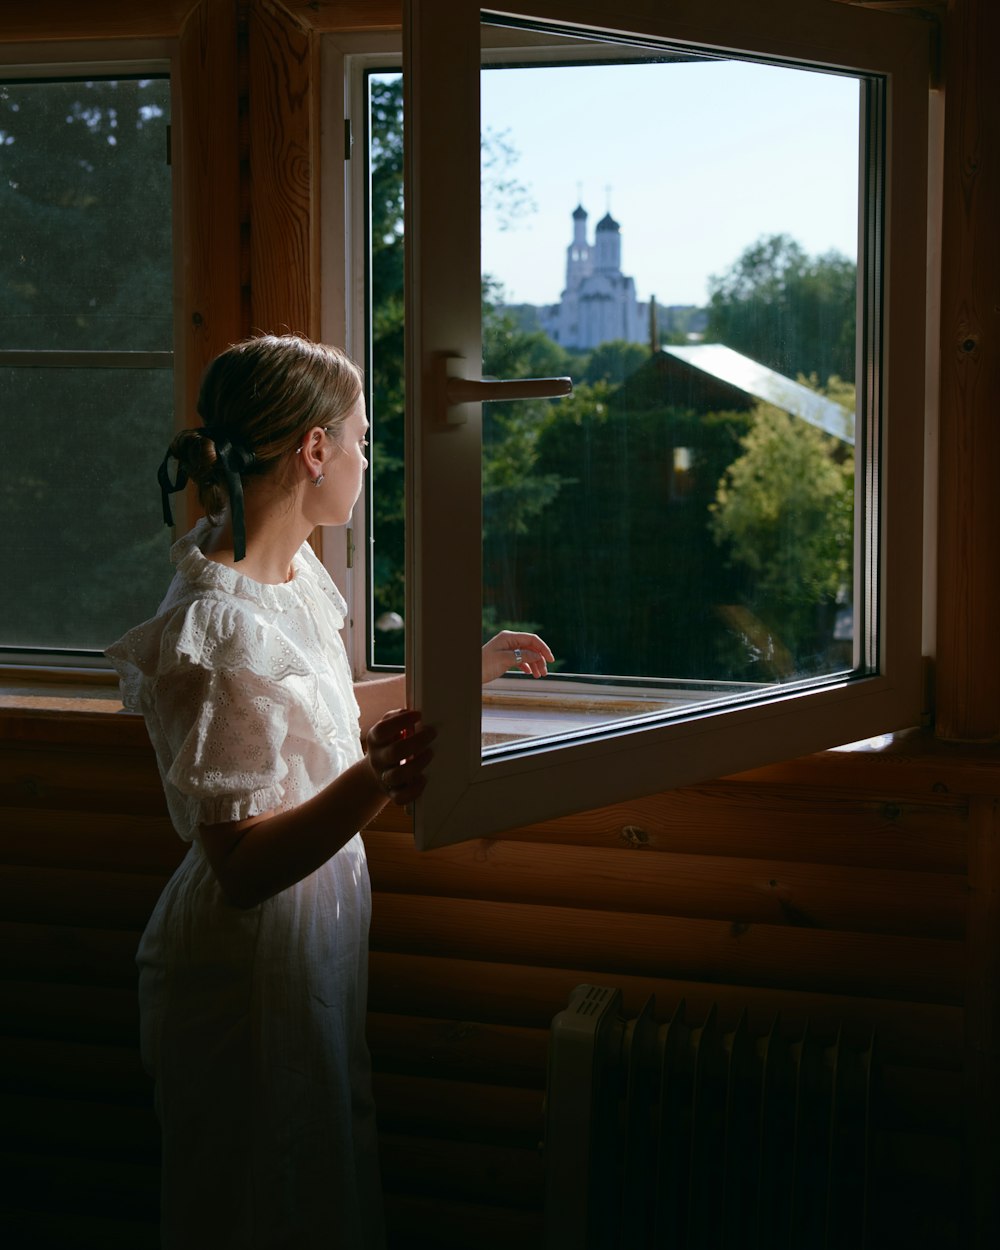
(312, 452)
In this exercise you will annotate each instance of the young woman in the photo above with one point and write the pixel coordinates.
(253, 967)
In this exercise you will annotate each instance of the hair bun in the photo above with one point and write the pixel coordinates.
(236, 458)
(235, 455)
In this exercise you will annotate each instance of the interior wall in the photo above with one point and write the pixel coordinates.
(834, 890)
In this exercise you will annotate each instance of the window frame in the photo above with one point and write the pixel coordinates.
(63, 61)
(345, 312)
(466, 797)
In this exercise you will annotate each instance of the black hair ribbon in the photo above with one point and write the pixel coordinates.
(168, 488)
(235, 460)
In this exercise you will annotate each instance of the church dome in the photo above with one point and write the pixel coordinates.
(579, 212)
(607, 222)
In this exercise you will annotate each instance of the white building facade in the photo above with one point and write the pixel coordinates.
(598, 304)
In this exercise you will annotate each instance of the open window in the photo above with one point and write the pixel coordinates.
(696, 634)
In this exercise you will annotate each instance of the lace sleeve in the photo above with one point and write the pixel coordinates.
(227, 730)
(243, 717)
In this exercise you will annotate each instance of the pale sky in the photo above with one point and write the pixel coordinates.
(701, 158)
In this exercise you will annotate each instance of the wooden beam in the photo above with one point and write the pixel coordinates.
(48, 20)
(464, 989)
(932, 9)
(757, 890)
(834, 962)
(208, 168)
(284, 173)
(346, 15)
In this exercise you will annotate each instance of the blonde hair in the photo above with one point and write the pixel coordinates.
(261, 397)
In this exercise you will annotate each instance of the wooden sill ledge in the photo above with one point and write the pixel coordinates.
(85, 709)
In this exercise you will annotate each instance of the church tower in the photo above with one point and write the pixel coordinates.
(579, 262)
(608, 239)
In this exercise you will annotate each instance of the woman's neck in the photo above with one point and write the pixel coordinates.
(274, 533)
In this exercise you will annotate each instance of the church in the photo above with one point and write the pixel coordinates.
(598, 303)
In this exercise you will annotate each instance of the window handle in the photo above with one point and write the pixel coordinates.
(455, 390)
(468, 391)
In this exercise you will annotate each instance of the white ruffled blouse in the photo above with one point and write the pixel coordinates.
(245, 687)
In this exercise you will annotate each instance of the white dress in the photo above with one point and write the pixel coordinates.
(252, 1021)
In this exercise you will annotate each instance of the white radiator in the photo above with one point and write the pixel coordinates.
(689, 1136)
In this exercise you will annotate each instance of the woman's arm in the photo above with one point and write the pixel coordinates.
(504, 651)
(256, 858)
(377, 696)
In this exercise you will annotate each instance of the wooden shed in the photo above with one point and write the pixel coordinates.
(857, 887)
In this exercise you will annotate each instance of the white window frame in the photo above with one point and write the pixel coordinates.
(466, 797)
(99, 59)
(345, 58)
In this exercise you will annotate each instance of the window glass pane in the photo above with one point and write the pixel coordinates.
(85, 549)
(85, 216)
(679, 234)
(86, 267)
(384, 370)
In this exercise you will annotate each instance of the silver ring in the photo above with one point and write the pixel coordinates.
(517, 655)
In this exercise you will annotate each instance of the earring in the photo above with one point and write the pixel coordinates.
(318, 480)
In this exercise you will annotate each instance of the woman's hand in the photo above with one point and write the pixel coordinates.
(398, 753)
(509, 649)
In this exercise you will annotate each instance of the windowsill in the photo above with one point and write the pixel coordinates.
(58, 690)
(77, 707)
(520, 710)
(518, 717)
(66, 709)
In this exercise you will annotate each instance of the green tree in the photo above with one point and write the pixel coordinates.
(516, 491)
(79, 266)
(85, 264)
(784, 514)
(613, 362)
(512, 491)
(386, 365)
(791, 312)
(619, 569)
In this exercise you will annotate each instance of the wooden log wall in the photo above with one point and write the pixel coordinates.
(835, 890)
(86, 848)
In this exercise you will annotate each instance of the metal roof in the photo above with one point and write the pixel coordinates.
(763, 383)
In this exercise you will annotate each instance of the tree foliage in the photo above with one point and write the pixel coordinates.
(386, 366)
(784, 512)
(619, 567)
(85, 264)
(792, 312)
(613, 362)
(513, 493)
(81, 266)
